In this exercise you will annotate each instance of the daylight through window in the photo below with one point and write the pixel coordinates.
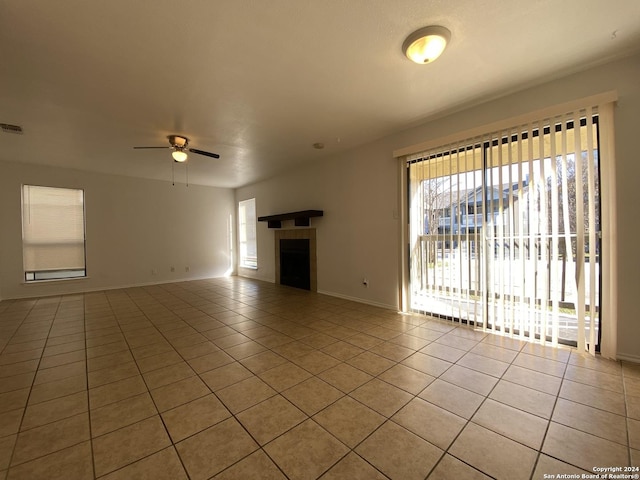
(53, 240)
(247, 233)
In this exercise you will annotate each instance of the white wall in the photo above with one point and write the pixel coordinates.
(133, 226)
(356, 237)
(358, 192)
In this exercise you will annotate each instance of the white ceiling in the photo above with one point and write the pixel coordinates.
(260, 81)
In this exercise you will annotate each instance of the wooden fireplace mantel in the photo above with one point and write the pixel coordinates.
(301, 219)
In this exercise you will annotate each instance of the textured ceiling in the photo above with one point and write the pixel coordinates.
(260, 81)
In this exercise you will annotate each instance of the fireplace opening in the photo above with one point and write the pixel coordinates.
(295, 265)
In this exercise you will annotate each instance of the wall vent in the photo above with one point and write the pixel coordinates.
(7, 128)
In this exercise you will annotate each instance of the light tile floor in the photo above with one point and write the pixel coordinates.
(238, 379)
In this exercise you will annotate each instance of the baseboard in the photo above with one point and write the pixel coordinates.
(628, 358)
(115, 287)
(359, 300)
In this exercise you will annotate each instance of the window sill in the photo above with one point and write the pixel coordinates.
(54, 280)
(248, 267)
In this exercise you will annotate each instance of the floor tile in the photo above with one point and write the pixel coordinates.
(430, 422)
(7, 445)
(493, 454)
(495, 352)
(353, 467)
(178, 393)
(398, 453)
(10, 421)
(70, 463)
(163, 465)
(155, 362)
(112, 374)
(407, 378)
(214, 449)
(392, 351)
(312, 395)
(582, 449)
(263, 361)
(122, 413)
(427, 364)
(245, 394)
(450, 468)
(306, 451)
(527, 399)
(382, 397)
(371, 363)
(594, 378)
(116, 391)
(634, 433)
(109, 361)
(349, 421)
(443, 352)
(60, 372)
(591, 420)
(54, 410)
(167, 375)
(342, 350)
(148, 359)
(50, 438)
(193, 417)
(533, 379)
(512, 423)
(539, 364)
(483, 364)
(477, 382)
(129, 444)
(316, 362)
(222, 377)
(271, 418)
(550, 466)
(257, 465)
(345, 377)
(285, 376)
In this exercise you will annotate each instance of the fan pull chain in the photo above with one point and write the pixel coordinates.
(187, 165)
(173, 173)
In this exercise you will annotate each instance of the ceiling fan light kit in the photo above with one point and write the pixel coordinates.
(179, 146)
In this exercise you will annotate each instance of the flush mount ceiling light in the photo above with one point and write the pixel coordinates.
(427, 44)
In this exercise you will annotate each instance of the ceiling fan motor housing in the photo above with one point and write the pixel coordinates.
(178, 142)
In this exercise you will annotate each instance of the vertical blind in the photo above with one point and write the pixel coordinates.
(504, 230)
(52, 229)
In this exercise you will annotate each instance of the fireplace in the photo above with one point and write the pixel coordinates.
(296, 263)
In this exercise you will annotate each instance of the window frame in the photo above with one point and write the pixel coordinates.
(245, 240)
(54, 274)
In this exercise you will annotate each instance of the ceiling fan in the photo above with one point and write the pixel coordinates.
(180, 146)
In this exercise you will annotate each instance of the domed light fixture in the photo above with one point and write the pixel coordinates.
(179, 155)
(427, 44)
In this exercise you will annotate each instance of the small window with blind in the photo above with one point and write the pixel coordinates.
(53, 241)
(247, 233)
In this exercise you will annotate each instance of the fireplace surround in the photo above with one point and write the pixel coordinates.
(297, 261)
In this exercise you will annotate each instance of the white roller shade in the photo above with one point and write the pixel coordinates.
(52, 228)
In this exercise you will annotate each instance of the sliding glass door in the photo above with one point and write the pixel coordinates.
(505, 230)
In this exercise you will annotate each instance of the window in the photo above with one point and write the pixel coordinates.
(53, 243)
(525, 258)
(247, 234)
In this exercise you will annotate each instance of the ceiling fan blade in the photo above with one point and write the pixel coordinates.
(137, 148)
(202, 152)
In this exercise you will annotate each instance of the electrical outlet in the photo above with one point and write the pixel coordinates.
(172, 268)
(365, 282)
(154, 271)
(186, 269)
